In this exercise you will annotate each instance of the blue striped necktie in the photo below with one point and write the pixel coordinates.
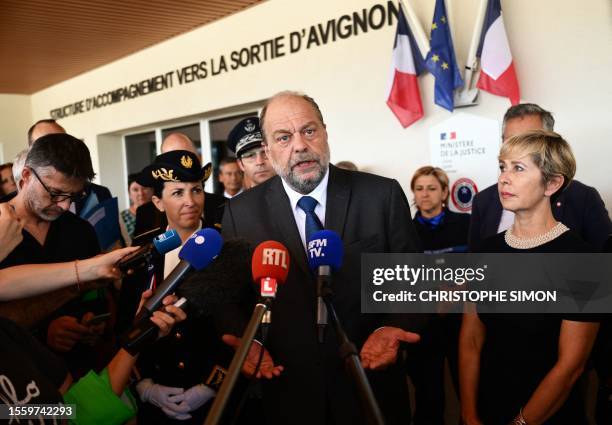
(313, 224)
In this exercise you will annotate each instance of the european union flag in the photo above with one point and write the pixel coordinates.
(441, 61)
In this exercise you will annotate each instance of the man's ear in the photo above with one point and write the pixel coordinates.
(240, 165)
(158, 203)
(26, 173)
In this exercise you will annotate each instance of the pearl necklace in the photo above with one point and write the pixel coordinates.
(520, 243)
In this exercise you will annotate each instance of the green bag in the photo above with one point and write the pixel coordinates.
(96, 403)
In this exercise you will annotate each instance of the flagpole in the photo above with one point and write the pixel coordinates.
(467, 96)
(417, 29)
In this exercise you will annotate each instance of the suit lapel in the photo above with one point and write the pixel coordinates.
(338, 194)
(282, 217)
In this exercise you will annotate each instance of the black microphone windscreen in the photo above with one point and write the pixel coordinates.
(226, 280)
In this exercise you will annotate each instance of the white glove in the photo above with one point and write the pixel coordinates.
(166, 398)
(196, 396)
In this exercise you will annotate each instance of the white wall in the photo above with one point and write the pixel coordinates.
(561, 50)
(15, 119)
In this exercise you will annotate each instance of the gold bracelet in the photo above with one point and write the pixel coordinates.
(76, 271)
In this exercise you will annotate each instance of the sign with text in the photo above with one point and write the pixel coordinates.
(466, 147)
(570, 283)
(340, 28)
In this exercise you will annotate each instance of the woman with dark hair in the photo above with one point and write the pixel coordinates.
(7, 182)
(519, 368)
(139, 195)
(177, 372)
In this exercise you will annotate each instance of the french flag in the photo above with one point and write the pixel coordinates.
(404, 96)
(497, 75)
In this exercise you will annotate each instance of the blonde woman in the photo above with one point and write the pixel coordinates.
(522, 369)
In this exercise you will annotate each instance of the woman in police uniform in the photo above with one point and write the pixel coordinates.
(179, 373)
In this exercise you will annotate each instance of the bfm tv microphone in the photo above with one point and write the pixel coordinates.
(161, 244)
(269, 266)
(325, 252)
(198, 252)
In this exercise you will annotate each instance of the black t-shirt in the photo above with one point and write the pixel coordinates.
(29, 373)
(69, 238)
(520, 349)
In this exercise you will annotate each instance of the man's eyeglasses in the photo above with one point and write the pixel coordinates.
(57, 197)
(251, 155)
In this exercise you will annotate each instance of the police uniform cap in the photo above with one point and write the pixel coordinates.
(244, 136)
(174, 166)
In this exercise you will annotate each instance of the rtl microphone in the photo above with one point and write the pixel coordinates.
(161, 244)
(198, 252)
(325, 252)
(270, 266)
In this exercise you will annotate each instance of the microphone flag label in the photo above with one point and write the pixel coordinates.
(268, 287)
(315, 248)
(274, 257)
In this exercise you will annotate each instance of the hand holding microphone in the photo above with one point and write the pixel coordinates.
(161, 245)
(267, 368)
(198, 252)
(269, 267)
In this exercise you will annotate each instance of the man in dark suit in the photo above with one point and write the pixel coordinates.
(579, 206)
(306, 381)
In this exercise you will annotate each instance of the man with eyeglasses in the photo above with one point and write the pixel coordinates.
(245, 141)
(50, 126)
(54, 175)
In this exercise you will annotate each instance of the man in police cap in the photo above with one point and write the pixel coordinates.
(245, 141)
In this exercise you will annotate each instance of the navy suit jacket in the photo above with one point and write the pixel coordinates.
(579, 207)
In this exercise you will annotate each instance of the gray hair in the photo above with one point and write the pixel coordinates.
(524, 109)
(288, 93)
(18, 164)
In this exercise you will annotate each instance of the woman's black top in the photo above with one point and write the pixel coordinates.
(520, 349)
(447, 234)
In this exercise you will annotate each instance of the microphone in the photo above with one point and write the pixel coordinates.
(269, 266)
(325, 252)
(198, 252)
(225, 281)
(161, 244)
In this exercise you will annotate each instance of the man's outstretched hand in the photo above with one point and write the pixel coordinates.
(267, 369)
(380, 349)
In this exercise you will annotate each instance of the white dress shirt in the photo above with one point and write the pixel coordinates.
(228, 196)
(171, 258)
(319, 193)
